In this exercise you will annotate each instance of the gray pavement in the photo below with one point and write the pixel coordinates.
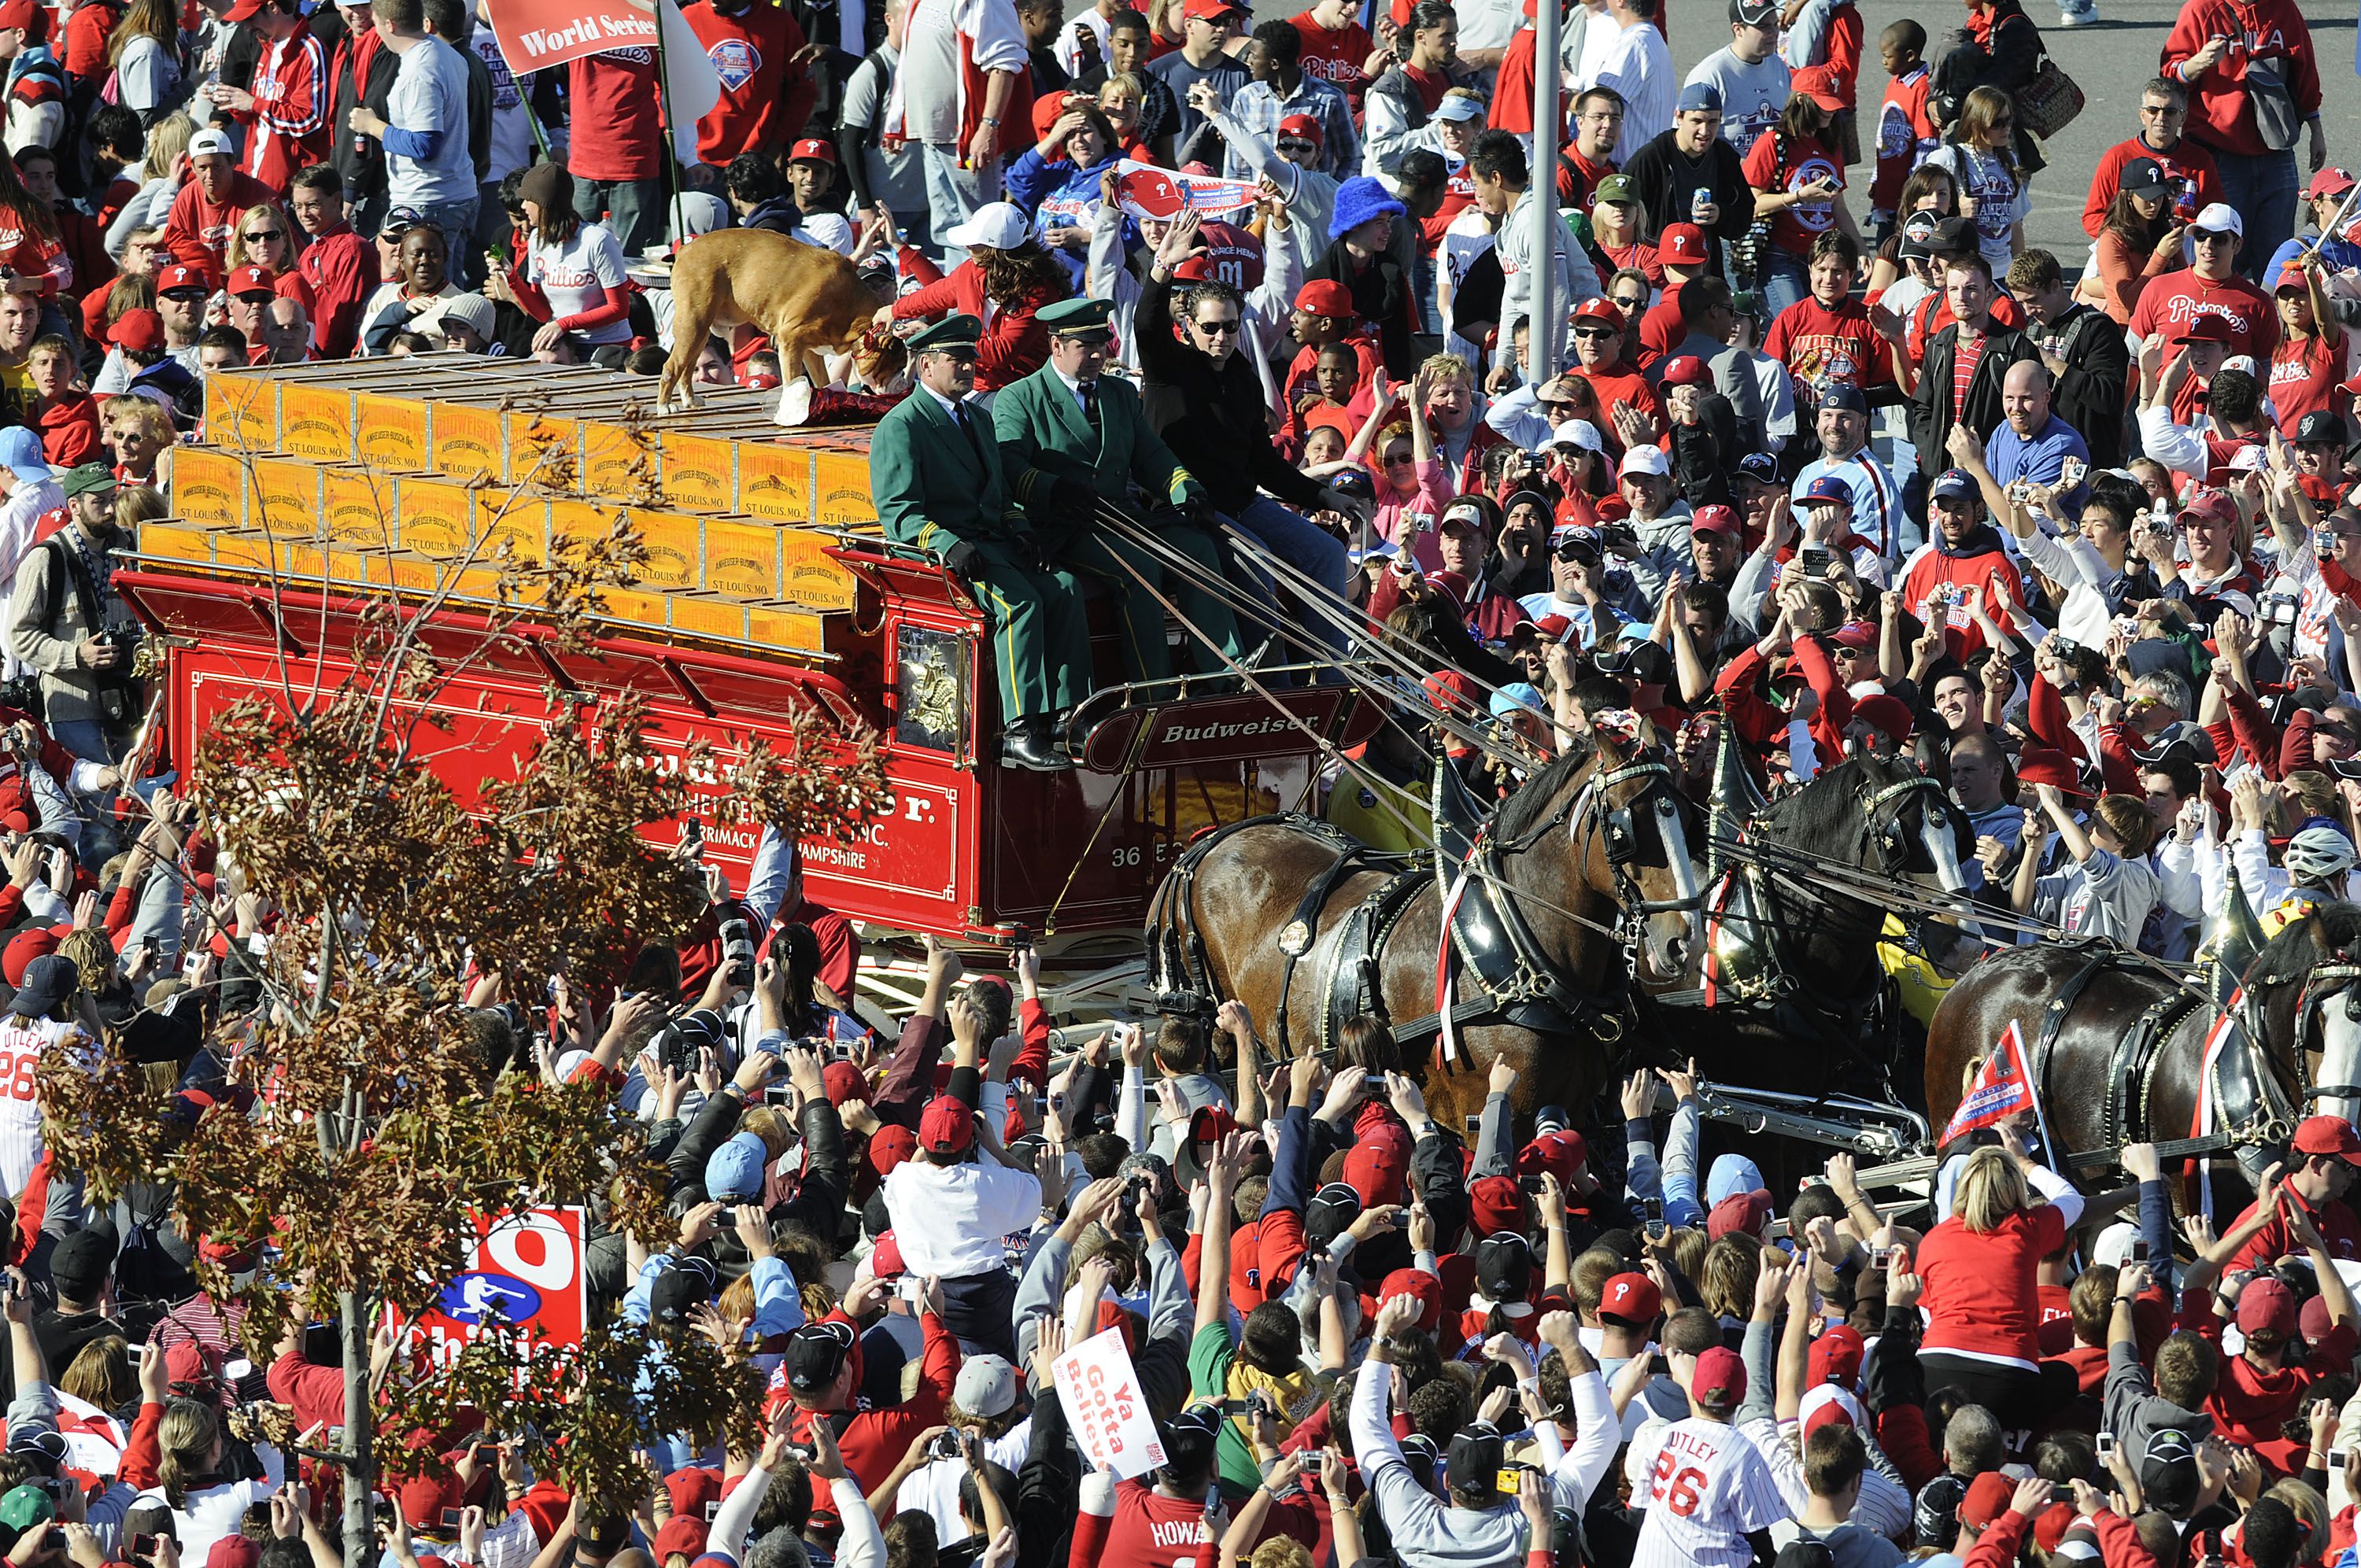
(2111, 62)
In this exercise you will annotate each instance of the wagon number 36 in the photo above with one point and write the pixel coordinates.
(1686, 1489)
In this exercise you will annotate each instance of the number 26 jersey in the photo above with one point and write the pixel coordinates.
(1704, 1488)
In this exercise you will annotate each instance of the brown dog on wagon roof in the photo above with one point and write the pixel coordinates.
(809, 302)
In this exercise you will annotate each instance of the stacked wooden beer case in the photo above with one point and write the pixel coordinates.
(416, 475)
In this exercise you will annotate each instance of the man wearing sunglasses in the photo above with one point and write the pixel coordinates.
(2210, 285)
(1202, 396)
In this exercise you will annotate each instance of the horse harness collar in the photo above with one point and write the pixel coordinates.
(1518, 983)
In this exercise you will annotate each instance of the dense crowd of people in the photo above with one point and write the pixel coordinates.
(1837, 465)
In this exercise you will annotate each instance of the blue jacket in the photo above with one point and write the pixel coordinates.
(1058, 195)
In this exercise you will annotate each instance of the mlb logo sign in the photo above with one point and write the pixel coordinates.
(527, 1271)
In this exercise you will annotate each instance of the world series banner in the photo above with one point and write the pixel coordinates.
(534, 35)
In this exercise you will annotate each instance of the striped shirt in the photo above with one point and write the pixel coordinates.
(1705, 1490)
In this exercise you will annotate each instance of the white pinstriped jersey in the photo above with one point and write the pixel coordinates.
(1704, 1488)
(22, 1043)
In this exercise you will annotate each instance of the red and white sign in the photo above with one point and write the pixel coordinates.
(1105, 1408)
(527, 1273)
(1146, 192)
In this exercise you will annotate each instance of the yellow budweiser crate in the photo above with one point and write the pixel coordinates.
(808, 574)
(209, 486)
(633, 607)
(243, 550)
(675, 547)
(171, 539)
(742, 557)
(392, 433)
(359, 507)
(468, 440)
(286, 499)
(792, 626)
(698, 614)
(545, 447)
(435, 516)
(699, 472)
(775, 480)
(516, 516)
(619, 463)
(242, 412)
(843, 497)
(316, 422)
(570, 518)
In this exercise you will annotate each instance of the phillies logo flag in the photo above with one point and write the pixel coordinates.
(1144, 190)
(2004, 1088)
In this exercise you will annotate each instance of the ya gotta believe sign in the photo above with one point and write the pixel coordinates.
(1106, 1409)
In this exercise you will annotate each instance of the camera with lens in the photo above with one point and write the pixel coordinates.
(738, 951)
(675, 1050)
(118, 687)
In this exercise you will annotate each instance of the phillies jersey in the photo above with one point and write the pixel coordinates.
(1705, 1490)
(23, 1042)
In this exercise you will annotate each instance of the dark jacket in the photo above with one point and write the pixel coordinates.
(1666, 180)
(359, 161)
(1212, 417)
(779, 214)
(480, 110)
(2090, 395)
(1706, 454)
(1381, 294)
(1930, 405)
(2010, 57)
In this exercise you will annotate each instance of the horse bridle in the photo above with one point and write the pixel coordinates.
(1615, 828)
(2322, 984)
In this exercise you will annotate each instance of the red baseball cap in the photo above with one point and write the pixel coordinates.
(1324, 297)
(1835, 1357)
(25, 13)
(2267, 1305)
(1495, 1203)
(2329, 181)
(2207, 328)
(1302, 125)
(1988, 1498)
(243, 11)
(175, 276)
(814, 149)
(1212, 10)
(2050, 1526)
(682, 1535)
(889, 1148)
(946, 1126)
(141, 331)
(1887, 714)
(250, 279)
(1599, 311)
(2327, 1135)
(1740, 1211)
(1685, 370)
(1715, 519)
(2047, 765)
(886, 1258)
(2209, 505)
(1819, 83)
(843, 1081)
(1682, 244)
(1418, 1283)
(1633, 1298)
(1719, 1381)
(1560, 1153)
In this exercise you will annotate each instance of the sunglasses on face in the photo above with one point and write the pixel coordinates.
(1399, 460)
(1629, 301)
(1218, 329)
(1596, 331)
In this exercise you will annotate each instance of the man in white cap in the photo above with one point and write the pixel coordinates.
(2210, 285)
(1659, 524)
